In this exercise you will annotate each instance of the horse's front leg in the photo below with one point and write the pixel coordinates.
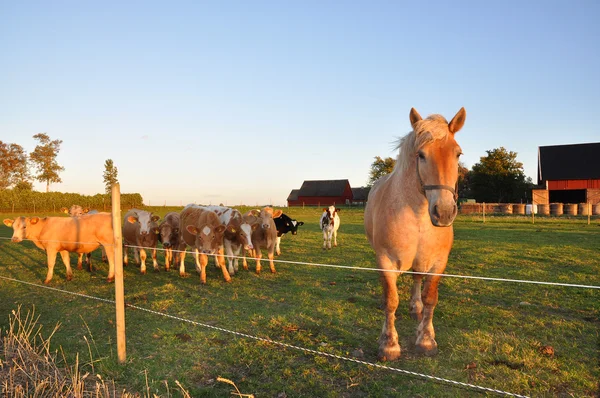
(389, 347)
(416, 304)
(426, 343)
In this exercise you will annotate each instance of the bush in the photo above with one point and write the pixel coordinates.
(23, 200)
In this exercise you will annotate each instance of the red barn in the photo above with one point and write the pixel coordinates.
(321, 193)
(570, 174)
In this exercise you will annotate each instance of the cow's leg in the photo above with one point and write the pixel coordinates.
(125, 259)
(244, 261)
(136, 255)
(324, 239)
(229, 252)
(88, 258)
(329, 234)
(51, 259)
(271, 254)
(79, 260)
(201, 266)
(416, 304)
(143, 258)
(224, 269)
(235, 261)
(182, 261)
(277, 248)
(104, 256)
(110, 255)
(389, 347)
(258, 256)
(168, 258)
(154, 262)
(334, 237)
(66, 258)
(426, 343)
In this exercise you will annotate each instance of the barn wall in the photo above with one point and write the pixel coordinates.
(593, 196)
(323, 200)
(574, 184)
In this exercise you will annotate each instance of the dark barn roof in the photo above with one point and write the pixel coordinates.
(360, 193)
(293, 195)
(323, 188)
(569, 162)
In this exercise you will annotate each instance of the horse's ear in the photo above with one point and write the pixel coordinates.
(457, 121)
(414, 117)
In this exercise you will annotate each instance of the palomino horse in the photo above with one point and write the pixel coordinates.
(408, 221)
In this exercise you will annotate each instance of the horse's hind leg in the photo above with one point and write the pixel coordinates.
(389, 348)
(416, 305)
(426, 343)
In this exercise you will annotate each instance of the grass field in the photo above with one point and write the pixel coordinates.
(499, 335)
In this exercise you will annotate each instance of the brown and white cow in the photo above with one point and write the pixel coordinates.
(238, 233)
(201, 230)
(66, 235)
(77, 211)
(140, 230)
(168, 235)
(264, 237)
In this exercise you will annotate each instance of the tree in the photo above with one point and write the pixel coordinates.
(44, 158)
(110, 175)
(13, 166)
(464, 177)
(499, 177)
(379, 168)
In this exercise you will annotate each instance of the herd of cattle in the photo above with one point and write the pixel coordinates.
(209, 230)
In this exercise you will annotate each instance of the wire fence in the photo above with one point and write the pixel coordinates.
(278, 343)
(484, 278)
(308, 350)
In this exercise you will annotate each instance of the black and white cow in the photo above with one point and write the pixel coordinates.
(285, 224)
(329, 223)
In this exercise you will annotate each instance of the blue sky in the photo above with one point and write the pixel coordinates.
(241, 101)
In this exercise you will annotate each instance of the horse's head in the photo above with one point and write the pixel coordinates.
(436, 156)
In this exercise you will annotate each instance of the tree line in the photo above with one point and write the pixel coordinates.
(16, 165)
(497, 178)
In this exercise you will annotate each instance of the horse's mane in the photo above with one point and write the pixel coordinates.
(432, 128)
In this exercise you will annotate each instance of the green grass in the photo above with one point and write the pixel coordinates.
(489, 333)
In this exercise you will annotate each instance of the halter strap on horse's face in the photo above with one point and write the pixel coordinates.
(425, 188)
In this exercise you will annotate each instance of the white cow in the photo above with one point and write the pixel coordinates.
(330, 223)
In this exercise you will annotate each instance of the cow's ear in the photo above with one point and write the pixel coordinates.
(155, 218)
(8, 222)
(231, 229)
(324, 209)
(277, 213)
(300, 223)
(220, 229)
(64, 210)
(250, 219)
(34, 220)
(337, 210)
(86, 210)
(192, 230)
(255, 212)
(132, 219)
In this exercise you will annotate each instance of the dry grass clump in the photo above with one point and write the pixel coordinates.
(29, 369)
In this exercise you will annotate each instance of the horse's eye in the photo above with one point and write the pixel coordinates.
(421, 155)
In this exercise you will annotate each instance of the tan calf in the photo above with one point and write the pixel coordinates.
(64, 235)
(264, 237)
(140, 230)
(201, 230)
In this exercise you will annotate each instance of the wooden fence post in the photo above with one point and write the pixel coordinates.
(589, 206)
(119, 286)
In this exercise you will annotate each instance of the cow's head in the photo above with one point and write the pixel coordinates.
(266, 216)
(75, 211)
(168, 234)
(19, 226)
(248, 224)
(328, 218)
(147, 222)
(208, 233)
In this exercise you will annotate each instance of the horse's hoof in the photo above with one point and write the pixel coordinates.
(389, 353)
(427, 347)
